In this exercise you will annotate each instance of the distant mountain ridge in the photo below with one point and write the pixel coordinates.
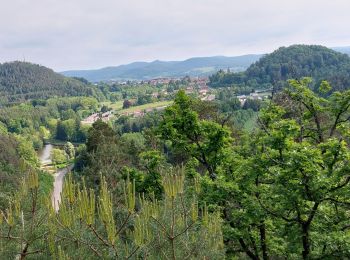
(198, 66)
(345, 49)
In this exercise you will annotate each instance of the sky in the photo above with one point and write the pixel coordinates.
(88, 34)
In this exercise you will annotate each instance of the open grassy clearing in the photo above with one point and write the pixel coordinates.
(146, 106)
(115, 105)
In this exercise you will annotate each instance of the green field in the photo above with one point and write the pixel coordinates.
(118, 106)
(146, 106)
(115, 105)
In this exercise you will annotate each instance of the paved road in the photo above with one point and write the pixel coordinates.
(45, 159)
(58, 185)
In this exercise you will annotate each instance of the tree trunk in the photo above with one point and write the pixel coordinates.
(306, 241)
(263, 241)
(247, 250)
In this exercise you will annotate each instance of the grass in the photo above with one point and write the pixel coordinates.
(115, 106)
(61, 165)
(118, 107)
(64, 164)
(146, 106)
(266, 93)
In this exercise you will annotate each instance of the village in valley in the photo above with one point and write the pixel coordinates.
(164, 90)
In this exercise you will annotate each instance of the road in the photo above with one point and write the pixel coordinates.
(58, 186)
(45, 160)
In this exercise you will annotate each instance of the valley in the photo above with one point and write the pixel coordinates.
(235, 164)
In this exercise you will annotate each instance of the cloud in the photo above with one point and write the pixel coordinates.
(80, 34)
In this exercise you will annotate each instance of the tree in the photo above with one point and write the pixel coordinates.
(296, 61)
(126, 104)
(103, 154)
(133, 144)
(3, 129)
(293, 179)
(10, 168)
(89, 226)
(105, 109)
(66, 130)
(26, 151)
(253, 104)
(21, 81)
(69, 150)
(100, 133)
(203, 140)
(23, 224)
(154, 163)
(58, 156)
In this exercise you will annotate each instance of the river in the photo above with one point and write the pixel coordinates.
(45, 160)
(45, 154)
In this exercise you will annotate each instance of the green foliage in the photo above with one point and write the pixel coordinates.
(3, 129)
(143, 99)
(58, 156)
(187, 182)
(69, 150)
(253, 104)
(41, 122)
(23, 224)
(202, 139)
(296, 61)
(66, 129)
(153, 162)
(119, 159)
(26, 150)
(133, 144)
(100, 134)
(126, 104)
(10, 164)
(46, 181)
(228, 101)
(102, 155)
(292, 177)
(126, 124)
(89, 226)
(22, 81)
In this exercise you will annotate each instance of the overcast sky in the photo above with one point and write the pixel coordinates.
(85, 34)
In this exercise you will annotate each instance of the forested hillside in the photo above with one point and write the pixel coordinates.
(295, 61)
(21, 81)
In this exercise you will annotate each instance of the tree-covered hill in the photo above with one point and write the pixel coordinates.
(21, 81)
(296, 61)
